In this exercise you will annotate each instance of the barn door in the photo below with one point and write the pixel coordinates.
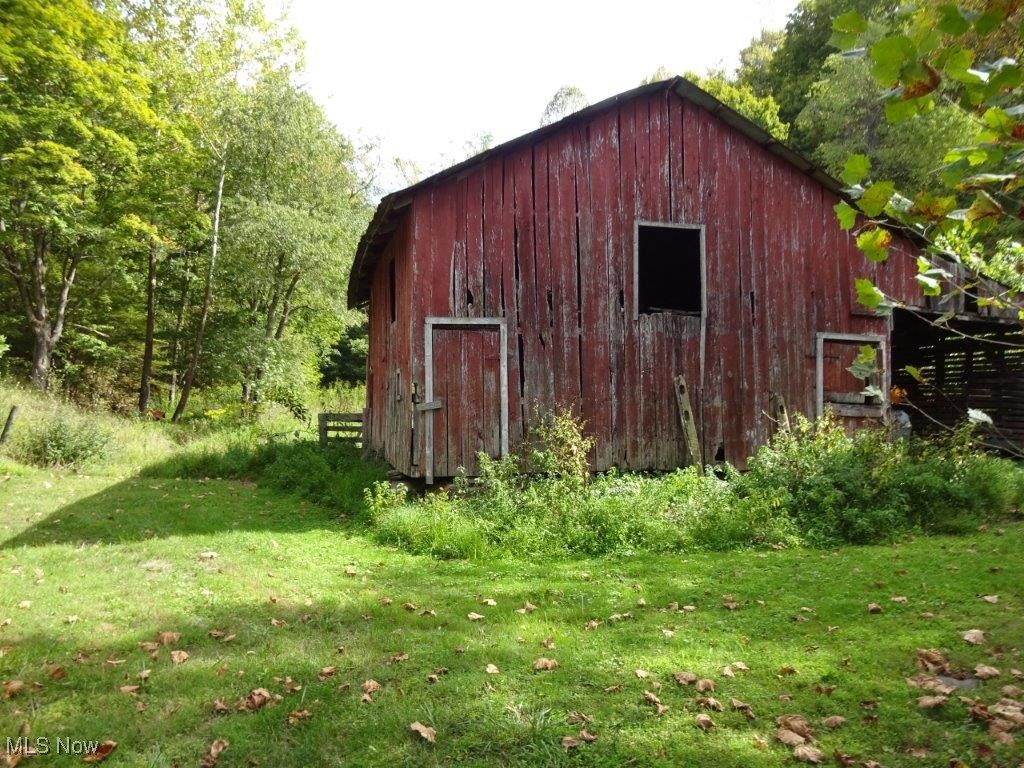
(857, 400)
(466, 396)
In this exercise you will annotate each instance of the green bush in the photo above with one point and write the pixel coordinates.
(62, 441)
(812, 485)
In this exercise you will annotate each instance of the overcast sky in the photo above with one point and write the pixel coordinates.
(426, 77)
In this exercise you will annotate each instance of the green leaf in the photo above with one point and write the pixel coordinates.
(868, 294)
(876, 197)
(889, 55)
(856, 169)
(864, 365)
(846, 214)
(984, 208)
(875, 243)
(851, 22)
(929, 285)
(914, 372)
(900, 110)
(952, 21)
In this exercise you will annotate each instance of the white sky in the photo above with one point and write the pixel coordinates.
(425, 77)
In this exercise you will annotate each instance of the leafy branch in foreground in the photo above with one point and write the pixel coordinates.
(935, 53)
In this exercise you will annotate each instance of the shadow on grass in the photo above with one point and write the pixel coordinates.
(210, 492)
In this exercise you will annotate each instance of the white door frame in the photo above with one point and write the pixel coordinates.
(430, 405)
(879, 342)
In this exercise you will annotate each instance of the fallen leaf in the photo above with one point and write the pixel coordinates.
(844, 759)
(874, 608)
(489, 602)
(100, 753)
(326, 672)
(739, 665)
(685, 678)
(834, 721)
(350, 570)
(973, 636)
(989, 598)
(179, 657)
(931, 702)
(220, 707)
(709, 703)
(409, 606)
(641, 673)
(704, 722)
(932, 660)
(57, 672)
(256, 700)
(129, 689)
(705, 686)
(424, 731)
(298, 715)
(650, 698)
(275, 622)
(213, 753)
(399, 657)
(168, 638)
(899, 599)
(985, 672)
(578, 718)
(743, 707)
(789, 738)
(808, 754)
(25, 604)
(545, 664)
(528, 607)
(548, 642)
(587, 736)
(796, 723)
(491, 669)
(474, 616)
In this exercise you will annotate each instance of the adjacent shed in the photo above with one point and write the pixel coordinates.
(653, 240)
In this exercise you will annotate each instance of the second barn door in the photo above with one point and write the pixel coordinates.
(468, 415)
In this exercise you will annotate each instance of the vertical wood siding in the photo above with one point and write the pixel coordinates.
(543, 235)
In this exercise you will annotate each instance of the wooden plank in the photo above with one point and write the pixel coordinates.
(630, 394)
(687, 424)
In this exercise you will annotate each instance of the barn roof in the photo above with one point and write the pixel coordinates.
(391, 207)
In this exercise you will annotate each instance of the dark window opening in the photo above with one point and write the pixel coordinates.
(668, 269)
(392, 303)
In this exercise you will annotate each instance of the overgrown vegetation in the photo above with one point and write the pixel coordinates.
(812, 485)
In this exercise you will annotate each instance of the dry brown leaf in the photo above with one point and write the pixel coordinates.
(685, 678)
(256, 700)
(916, 751)
(705, 686)
(834, 721)
(167, 638)
(727, 672)
(789, 738)
(874, 608)
(409, 606)
(931, 702)
(709, 703)
(56, 672)
(760, 743)
(989, 598)
(587, 736)
(491, 669)
(593, 624)
(350, 570)
(528, 607)
(12, 688)
(786, 671)
(985, 672)
(129, 689)
(807, 754)
(548, 643)
(100, 753)
(220, 707)
(213, 753)
(399, 657)
(641, 673)
(298, 715)
(570, 742)
(1012, 691)
(899, 599)
(179, 657)
(931, 660)
(704, 722)
(739, 665)
(578, 718)
(844, 759)
(543, 663)
(796, 723)
(973, 636)
(474, 616)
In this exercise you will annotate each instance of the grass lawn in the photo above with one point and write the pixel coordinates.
(90, 567)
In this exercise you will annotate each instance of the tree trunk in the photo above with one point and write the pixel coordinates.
(147, 354)
(204, 315)
(42, 353)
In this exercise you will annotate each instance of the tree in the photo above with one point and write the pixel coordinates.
(842, 118)
(756, 60)
(72, 106)
(760, 109)
(567, 99)
(796, 63)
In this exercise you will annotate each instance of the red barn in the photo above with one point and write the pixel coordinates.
(655, 235)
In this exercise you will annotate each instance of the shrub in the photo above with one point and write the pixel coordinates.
(63, 441)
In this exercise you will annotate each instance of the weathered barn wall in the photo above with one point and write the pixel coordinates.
(543, 236)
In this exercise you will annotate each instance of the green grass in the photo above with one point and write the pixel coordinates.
(124, 556)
